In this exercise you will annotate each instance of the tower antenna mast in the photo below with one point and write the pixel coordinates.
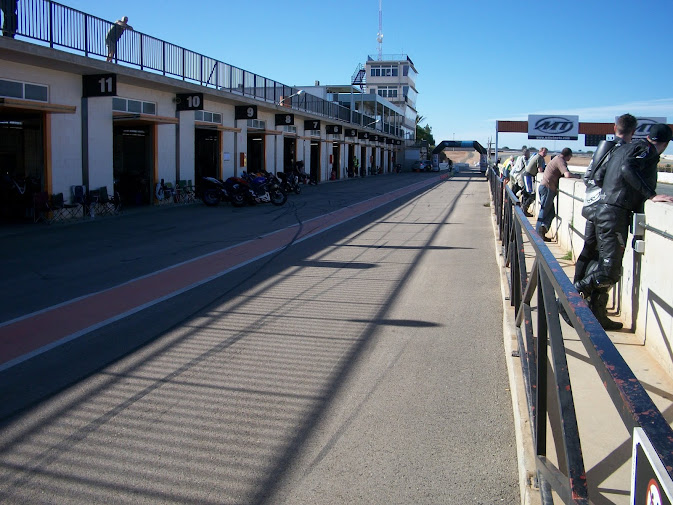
(379, 36)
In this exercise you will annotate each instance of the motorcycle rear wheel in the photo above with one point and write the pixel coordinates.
(238, 200)
(211, 197)
(278, 197)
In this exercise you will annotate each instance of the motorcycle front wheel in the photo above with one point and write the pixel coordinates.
(278, 197)
(211, 197)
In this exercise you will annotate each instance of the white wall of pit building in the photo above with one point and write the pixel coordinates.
(66, 137)
(186, 142)
(100, 142)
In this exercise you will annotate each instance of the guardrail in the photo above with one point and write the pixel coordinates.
(59, 25)
(543, 357)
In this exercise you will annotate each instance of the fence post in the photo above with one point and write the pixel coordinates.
(51, 24)
(142, 59)
(86, 35)
(541, 386)
(163, 57)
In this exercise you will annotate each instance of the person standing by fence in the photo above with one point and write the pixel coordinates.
(625, 127)
(630, 179)
(10, 17)
(113, 36)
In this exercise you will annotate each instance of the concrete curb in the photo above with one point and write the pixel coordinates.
(525, 450)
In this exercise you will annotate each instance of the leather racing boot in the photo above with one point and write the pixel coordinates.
(598, 305)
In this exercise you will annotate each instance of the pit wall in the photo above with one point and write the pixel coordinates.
(644, 296)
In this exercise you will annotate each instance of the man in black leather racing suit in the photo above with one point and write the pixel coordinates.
(625, 127)
(630, 178)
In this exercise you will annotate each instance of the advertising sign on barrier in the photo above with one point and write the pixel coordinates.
(553, 127)
(644, 125)
(650, 483)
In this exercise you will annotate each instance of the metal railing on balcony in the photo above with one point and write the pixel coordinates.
(543, 357)
(61, 26)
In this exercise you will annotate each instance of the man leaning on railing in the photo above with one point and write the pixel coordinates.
(113, 36)
(557, 168)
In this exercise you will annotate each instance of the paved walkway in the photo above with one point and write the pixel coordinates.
(342, 366)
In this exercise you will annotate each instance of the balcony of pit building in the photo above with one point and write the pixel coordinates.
(371, 110)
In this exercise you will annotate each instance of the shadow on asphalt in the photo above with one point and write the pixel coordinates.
(166, 345)
(403, 323)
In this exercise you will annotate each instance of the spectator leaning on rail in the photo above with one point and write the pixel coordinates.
(507, 167)
(516, 173)
(536, 164)
(557, 168)
(624, 128)
(630, 179)
(113, 36)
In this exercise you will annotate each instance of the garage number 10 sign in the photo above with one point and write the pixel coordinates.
(189, 101)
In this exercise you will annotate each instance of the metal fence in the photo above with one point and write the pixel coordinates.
(543, 357)
(61, 26)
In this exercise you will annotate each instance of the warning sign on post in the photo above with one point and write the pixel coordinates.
(650, 482)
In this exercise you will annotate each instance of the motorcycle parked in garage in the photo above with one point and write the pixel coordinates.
(264, 188)
(232, 190)
(289, 182)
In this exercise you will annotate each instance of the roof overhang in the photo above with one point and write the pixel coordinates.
(18, 104)
(203, 125)
(124, 118)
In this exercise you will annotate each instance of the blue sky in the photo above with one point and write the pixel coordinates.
(478, 60)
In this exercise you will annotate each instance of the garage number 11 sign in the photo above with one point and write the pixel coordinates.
(99, 85)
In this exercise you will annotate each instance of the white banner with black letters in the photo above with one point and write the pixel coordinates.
(644, 125)
(553, 127)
